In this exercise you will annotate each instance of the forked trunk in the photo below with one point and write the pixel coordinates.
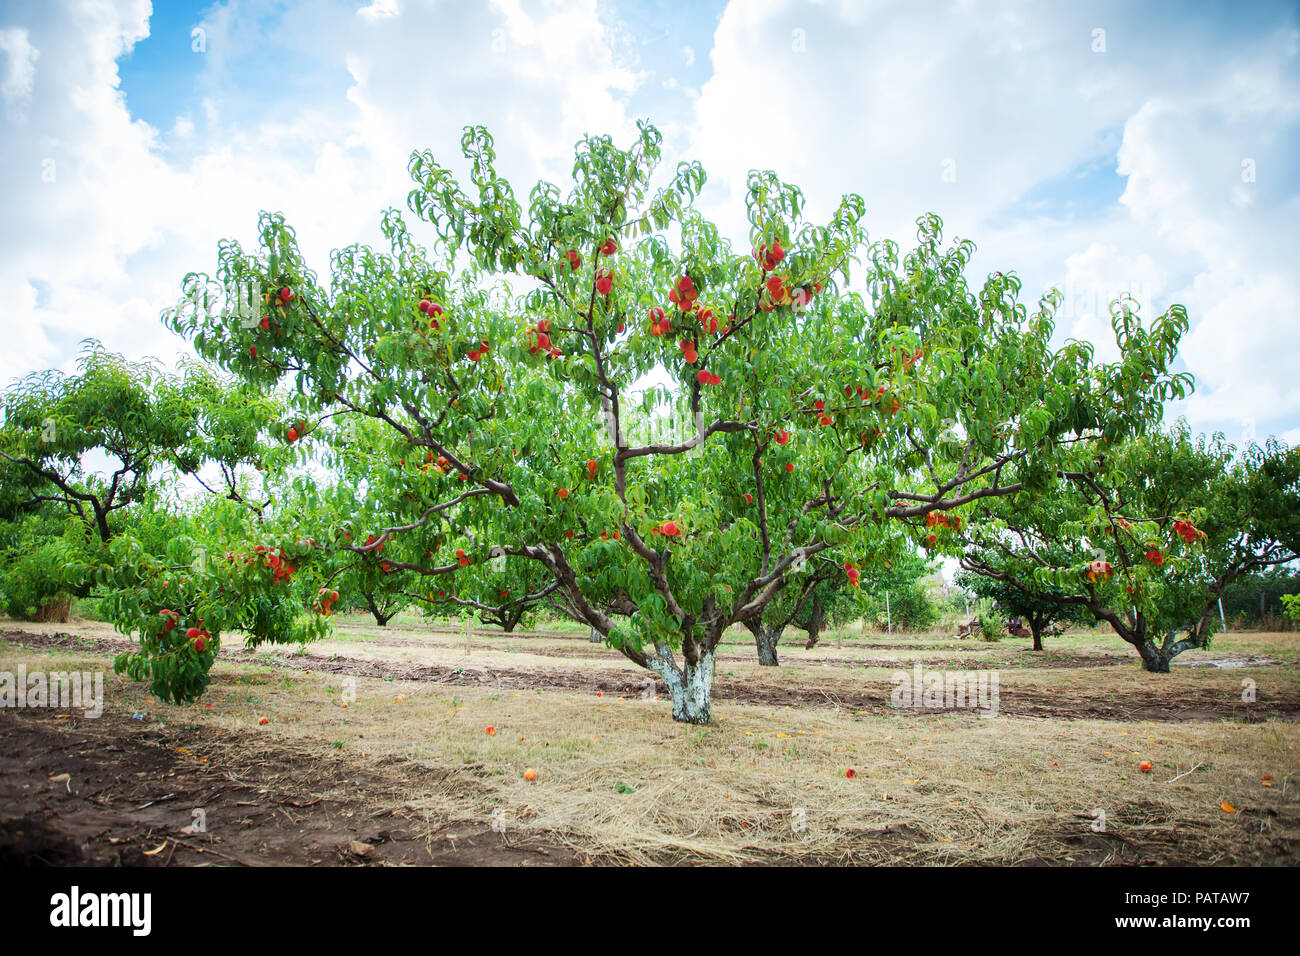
(1154, 658)
(690, 687)
(381, 618)
(765, 640)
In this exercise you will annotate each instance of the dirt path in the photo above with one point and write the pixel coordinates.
(796, 641)
(1207, 704)
(131, 790)
(1047, 660)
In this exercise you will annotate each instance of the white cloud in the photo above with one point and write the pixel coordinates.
(1094, 278)
(1012, 100)
(1184, 162)
(19, 65)
(379, 9)
(872, 99)
(123, 220)
(78, 176)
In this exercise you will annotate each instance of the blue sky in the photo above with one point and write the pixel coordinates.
(1161, 160)
(160, 74)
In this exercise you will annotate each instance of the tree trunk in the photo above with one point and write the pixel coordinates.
(101, 523)
(380, 618)
(816, 618)
(765, 639)
(594, 636)
(1036, 627)
(691, 688)
(1154, 659)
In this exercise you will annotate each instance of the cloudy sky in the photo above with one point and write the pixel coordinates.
(1148, 148)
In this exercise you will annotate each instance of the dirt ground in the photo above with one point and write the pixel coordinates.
(374, 752)
(132, 788)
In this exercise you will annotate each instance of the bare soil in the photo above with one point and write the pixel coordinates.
(131, 789)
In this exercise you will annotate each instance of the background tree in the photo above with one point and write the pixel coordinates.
(800, 417)
(833, 603)
(1146, 536)
(59, 431)
(808, 604)
(335, 507)
(96, 442)
(90, 455)
(44, 553)
(504, 592)
(1255, 599)
(1040, 613)
(900, 576)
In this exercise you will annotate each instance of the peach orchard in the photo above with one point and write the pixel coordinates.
(590, 400)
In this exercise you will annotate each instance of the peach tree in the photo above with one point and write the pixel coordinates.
(223, 571)
(1041, 609)
(505, 592)
(97, 455)
(593, 381)
(832, 593)
(1146, 535)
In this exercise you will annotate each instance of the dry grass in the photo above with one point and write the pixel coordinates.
(619, 781)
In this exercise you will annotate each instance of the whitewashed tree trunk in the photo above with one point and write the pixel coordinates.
(691, 687)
